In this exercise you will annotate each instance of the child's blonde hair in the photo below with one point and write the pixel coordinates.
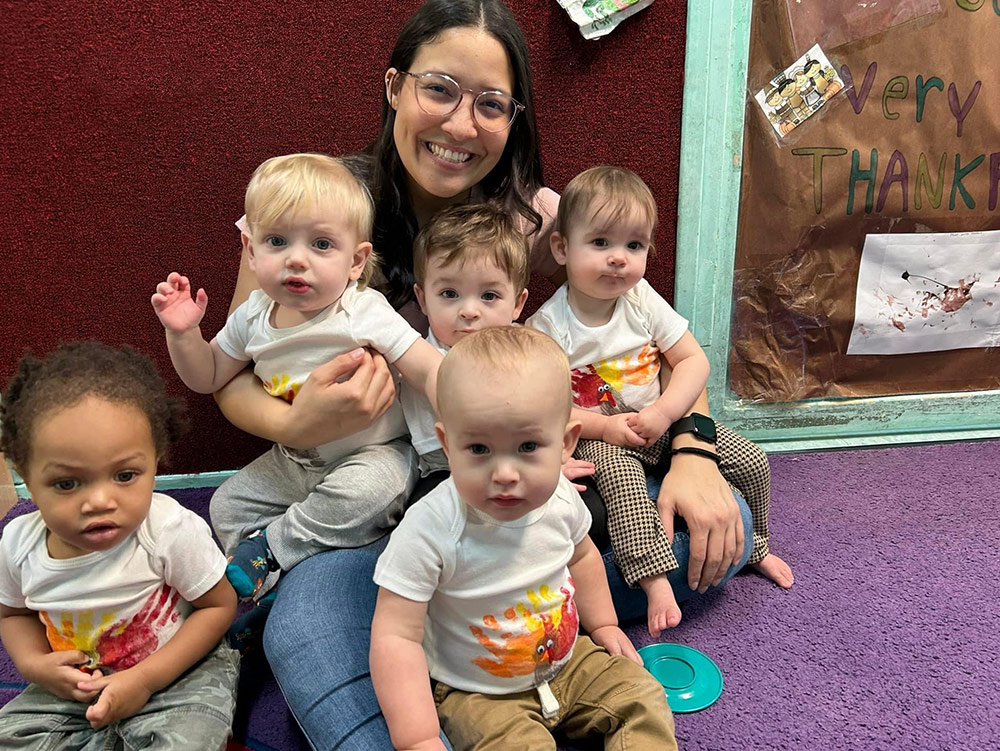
(284, 184)
(614, 192)
(463, 233)
(503, 349)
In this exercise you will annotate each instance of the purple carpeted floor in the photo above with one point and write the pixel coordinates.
(888, 640)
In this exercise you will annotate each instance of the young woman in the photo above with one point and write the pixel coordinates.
(458, 125)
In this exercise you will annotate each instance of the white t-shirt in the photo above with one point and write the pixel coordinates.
(118, 605)
(419, 413)
(501, 617)
(615, 367)
(284, 358)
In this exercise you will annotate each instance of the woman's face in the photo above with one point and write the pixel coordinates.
(446, 156)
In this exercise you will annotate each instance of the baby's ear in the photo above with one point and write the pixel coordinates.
(570, 438)
(521, 300)
(557, 243)
(361, 255)
(442, 437)
(247, 243)
(418, 292)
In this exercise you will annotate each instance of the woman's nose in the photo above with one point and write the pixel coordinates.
(461, 124)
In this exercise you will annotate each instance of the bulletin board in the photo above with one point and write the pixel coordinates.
(840, 259)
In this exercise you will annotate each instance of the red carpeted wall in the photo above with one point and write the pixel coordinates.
(129, 130)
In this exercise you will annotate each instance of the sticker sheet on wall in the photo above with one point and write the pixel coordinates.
(799, 91)
(927, 292)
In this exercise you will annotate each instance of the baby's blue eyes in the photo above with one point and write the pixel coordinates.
(449, 294)
(274, 241)
(528, 446)
(490, 296)
(126, 476)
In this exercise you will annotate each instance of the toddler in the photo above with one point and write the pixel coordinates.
(471, 268)
(113, 598)
(309, 220)
(614, 328)
(484, 583)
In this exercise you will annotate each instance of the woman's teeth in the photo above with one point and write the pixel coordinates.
(449, 155)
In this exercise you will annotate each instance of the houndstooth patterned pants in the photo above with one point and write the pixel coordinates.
(638, 539)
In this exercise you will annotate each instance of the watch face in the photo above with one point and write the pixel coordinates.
(704, 426)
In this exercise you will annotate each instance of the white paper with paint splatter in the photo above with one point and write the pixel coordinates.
(926, 293)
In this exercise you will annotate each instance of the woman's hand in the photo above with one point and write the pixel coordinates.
(694, 489)
(339, 398)
(327, 407)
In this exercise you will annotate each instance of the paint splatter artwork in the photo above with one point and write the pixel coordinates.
(927, 293)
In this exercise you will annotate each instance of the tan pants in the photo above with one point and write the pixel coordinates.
(598, 695)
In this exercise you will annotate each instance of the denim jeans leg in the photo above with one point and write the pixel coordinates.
(631, 603)
(317, 640)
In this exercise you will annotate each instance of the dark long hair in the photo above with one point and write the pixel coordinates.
(515, 179)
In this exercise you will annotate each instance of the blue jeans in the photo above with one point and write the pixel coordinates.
(318, 634)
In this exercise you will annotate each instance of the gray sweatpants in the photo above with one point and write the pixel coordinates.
(347, 504)
(194, 713)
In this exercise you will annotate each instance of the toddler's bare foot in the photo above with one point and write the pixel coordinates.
(662, 611)
(775, 569)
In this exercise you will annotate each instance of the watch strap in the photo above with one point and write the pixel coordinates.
(695, 450)
(689, 424)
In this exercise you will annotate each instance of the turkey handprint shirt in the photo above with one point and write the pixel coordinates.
(120, 605)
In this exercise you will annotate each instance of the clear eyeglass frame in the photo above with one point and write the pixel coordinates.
(444, 107)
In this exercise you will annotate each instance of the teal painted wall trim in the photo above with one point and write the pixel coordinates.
(718, 39)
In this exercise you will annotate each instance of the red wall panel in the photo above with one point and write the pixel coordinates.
(128, 131)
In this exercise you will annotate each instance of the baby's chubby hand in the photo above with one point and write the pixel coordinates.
(649, 423)
(122, 695)
(574, 469)
(618, 432)
(174, 306)
(60, 674)
(616, 642)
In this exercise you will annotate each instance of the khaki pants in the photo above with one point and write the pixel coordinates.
(598, 695)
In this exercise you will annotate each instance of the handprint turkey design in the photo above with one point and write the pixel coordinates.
(114, 643)
(533, 638)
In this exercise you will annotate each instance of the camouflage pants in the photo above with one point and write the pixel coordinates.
(194, 713)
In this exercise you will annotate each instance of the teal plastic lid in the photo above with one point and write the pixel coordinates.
(691, 680)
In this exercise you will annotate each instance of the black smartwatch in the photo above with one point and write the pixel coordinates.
(702, 426)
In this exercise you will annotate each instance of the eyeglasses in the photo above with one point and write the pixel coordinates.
(440, 95)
